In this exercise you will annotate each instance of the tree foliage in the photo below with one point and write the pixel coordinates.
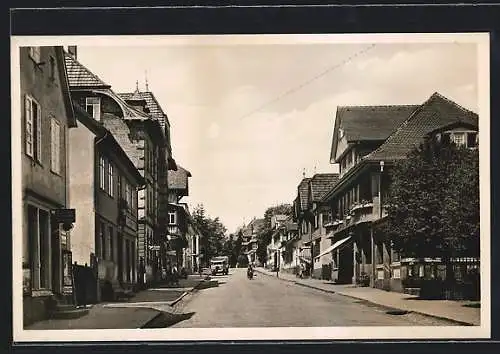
(433, 202)
(265, 234)
(212, 234)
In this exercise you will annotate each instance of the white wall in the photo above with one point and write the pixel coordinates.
(81, 196)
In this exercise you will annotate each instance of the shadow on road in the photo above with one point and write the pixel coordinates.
(166, 319)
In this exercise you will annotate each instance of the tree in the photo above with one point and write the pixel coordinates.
(433, 202)
(265, 234)
(212, 233)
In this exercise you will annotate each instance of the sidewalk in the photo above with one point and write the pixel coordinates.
(444, 309)
(145, 307)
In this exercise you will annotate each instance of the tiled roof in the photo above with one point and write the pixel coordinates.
(368, 123)
(304, 193)
(80, 76)
(321, 183)
(436, 112)
(178, 179)
(152, 104)
(372, 122)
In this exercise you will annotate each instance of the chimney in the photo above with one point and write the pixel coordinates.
(72, 50)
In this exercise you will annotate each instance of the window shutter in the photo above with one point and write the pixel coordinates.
(29, 126)
(38, 133)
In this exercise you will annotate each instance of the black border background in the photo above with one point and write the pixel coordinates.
(206, 18)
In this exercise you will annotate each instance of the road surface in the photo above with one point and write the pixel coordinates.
(267, 301)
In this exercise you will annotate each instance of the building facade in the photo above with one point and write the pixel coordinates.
(104, 185)
(179, 221)
(47, 116)
(143, 140)
(361, 252)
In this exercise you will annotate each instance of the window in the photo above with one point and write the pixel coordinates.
(55, 146)
(171, 218)
(111, 178)
(102, 173)
(33, 129)
(459, 139)
(35, 54)
(128, 194)
(93, 107)
(52, 68)
(471, 140)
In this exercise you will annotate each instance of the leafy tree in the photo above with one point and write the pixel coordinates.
(265, 234)
(433, 202)
(212, 234)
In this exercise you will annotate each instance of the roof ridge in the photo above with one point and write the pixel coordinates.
(437, 94)
(377, 106)
(69, 56)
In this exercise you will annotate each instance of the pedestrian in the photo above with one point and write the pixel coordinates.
(175, 274)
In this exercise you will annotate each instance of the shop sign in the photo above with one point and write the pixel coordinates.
(63, 215)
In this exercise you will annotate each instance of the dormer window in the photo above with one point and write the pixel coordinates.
(93, 107)
(459, 139)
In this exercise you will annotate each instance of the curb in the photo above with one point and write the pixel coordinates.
(461, 323)
(195, 288)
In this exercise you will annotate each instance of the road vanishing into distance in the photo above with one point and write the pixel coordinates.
(267, 301)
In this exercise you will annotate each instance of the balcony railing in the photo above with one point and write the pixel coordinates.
(174, 230)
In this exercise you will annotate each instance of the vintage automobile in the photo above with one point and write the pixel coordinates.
(219, 265)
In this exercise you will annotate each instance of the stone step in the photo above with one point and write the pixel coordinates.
(412, 291)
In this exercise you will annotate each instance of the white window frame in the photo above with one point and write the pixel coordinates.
(111, 178)
(55, 146)
(33, 129)
(462, 142)
(35, 54)
(96, 106)
(102, 173)
(172, 218)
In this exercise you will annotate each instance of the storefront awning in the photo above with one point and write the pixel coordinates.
(334, 246)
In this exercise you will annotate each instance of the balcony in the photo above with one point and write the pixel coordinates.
(362, 212)
(174, 230)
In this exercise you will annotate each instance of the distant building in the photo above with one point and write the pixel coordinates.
(250, 242)
(47, 117)
(179, 222)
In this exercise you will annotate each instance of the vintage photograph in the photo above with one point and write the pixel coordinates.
(275, 187)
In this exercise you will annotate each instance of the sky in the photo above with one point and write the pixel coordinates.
(247, 120)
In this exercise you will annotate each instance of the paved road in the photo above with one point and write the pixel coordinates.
(269, 302)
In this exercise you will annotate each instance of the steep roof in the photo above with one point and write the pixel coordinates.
(321, 183)
(438, 111)
(152, 104)
(368, 123)
(303, 191)
(178, 179)
(80, 76)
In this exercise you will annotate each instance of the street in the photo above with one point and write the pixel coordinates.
(267, 301)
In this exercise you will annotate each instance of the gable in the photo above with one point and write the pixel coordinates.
(365, 123)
